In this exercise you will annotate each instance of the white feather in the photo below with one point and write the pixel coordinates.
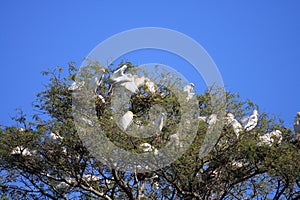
(126, 120)
(188, 89)
(237, 127)
(252, 121)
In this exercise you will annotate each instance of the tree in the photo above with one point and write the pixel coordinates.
(45, 157)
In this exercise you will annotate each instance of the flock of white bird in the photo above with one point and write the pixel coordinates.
(247, 124)
(132, 83)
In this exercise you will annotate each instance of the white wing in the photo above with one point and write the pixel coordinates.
(55, 136)
(252, 122)
(151, 86)
(188, 89)
(140, 80)
(101, 98)
(161, 122)
(202, 118)
(119, 74)
(211, 119)
(126, 120)
(90, 177)
(20, 150)
(146, 147)
(131, 86)
(276, 136)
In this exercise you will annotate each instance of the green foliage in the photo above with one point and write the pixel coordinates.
(236, 168)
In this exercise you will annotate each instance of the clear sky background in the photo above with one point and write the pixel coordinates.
(255, 44)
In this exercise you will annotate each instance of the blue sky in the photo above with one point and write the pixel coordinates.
(255, 44)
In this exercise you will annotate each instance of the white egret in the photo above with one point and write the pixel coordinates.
(238, 164)
(146, 147)
(90, 177)
(126, 120)
(161, 122)
(212, 119)
(76, 85)
(251, 121)
(130, 84)
(126, 80)
(119, 76)
(188, 89)
(140, 80)
(102, 99)
(276, 136)
(297, 123)
(64, 185)
(150, 86)
(237, 127)
(265, 140)
(20, 150)
(55, 136)
(133, 82)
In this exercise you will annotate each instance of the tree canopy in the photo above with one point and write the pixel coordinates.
(46, 157)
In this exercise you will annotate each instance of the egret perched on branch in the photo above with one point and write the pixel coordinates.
(55, 136)
(148, 148)
(20, 150)
(238, 164)
(188, 89)
(210, 120)
(125, 80)
(90, 177)
(251, 121)
(237, 127)
(65, 184)
(276, 136)
(126, 120)
(270, 138)
(297, 123)
(265, 140)
(161, 122)
(150, 86)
